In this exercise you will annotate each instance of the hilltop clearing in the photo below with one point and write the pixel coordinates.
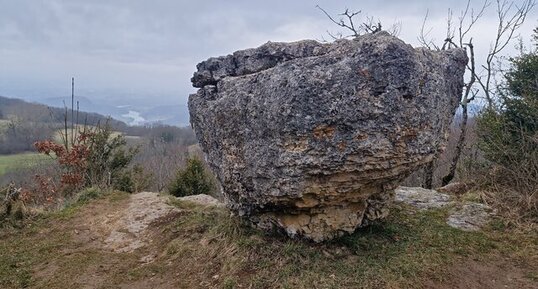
(148, 240)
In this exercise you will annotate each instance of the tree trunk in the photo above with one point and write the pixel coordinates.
(428, 175)
(459, 147)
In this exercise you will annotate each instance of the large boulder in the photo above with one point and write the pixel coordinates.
(313, 138)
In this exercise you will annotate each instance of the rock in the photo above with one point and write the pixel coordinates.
(422, 198)
(454, 189)
(128, 228)
(202, 199)
(470, 216)
(467, 216)
(313, 138)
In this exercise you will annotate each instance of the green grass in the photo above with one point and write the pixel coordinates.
(207, 248)
(20, 161)
(398, 252)
(59, 135)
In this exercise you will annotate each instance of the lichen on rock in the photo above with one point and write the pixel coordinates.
(313, 138)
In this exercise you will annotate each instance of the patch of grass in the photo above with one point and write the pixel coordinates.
(46, 245)
(204, 247)
(20, 161)
(17, 256)
(59, 135)
(88, 194)
(401, 252)
(84, 197)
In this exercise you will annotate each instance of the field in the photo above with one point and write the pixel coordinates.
(59, 135)
(20, 161)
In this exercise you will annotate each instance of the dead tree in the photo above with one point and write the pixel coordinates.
(510, 17)
(350, 20)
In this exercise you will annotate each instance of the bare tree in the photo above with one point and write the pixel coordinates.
(510, 16)
(350, 20)
(424, 37)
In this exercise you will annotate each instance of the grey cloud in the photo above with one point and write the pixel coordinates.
(132, 49)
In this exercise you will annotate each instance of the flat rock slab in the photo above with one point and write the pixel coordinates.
(422, 198)
(470, 216)
(467, 216)
(202, 199)
(128, 230)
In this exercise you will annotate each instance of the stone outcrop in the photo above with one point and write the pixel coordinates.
(313, 138)
(465, 215)
(470, 216)
(422, 198)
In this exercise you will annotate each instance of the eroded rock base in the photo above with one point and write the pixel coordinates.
(323, 223)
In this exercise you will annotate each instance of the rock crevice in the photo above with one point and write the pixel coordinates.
(313, 138)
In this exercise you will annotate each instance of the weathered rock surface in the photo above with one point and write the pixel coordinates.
(129, 226)
(422, 198)
(203, 200)
(470, 216)
(466, 216)
(313, 138)
(454, 188)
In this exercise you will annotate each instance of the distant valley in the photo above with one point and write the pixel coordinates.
(132, 114)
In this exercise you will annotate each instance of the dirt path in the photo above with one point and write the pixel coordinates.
(108, 240)
(128, 228)
(121, 227)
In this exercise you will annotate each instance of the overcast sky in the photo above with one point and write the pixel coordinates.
(143, 51)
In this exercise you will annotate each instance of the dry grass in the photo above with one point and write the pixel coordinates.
(206, 248)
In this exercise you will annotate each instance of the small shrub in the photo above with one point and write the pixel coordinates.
(508, 136)
(95, 157)
(12, 205)
(133, 180)
(192, 180)
(124, 182)
(142, 180)
(88, 194)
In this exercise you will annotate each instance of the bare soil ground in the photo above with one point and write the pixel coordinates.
(147, 241)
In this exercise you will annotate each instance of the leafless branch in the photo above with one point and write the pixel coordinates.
(349, 15)
(423, 38)
(395, 28)
(449, 31)
(371, 26)
(350, 21)
(464, 29)
(510, 17)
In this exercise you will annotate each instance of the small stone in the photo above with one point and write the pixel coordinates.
(204, 242)
(454, 188)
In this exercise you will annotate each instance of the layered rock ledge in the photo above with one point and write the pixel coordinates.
(313, 138)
